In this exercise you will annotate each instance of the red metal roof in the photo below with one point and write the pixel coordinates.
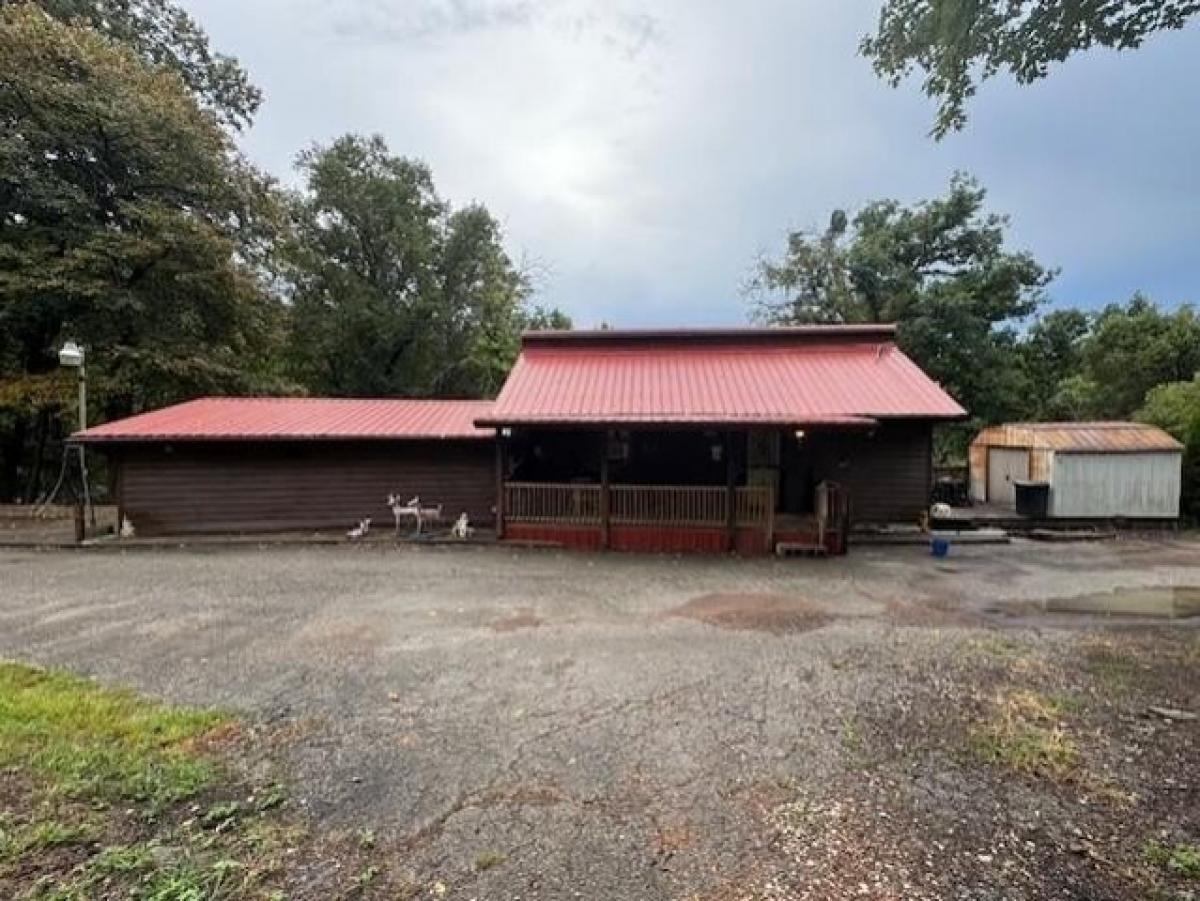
(832, 375)
(298, 418)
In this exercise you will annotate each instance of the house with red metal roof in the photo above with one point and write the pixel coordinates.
(276, 464)
(717, 439)
(658, 440)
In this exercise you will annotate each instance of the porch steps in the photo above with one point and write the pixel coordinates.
(788, 548)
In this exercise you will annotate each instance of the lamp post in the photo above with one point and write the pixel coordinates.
(71, 356)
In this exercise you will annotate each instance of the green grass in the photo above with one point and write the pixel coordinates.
(119, 778)
(1023, 732)
(1116, 671)
(16, 840)
(1181, 860)
(104, 794)
(486, 860)
(98, 744)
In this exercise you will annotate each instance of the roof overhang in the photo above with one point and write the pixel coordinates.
(111, 440)
(699, 423)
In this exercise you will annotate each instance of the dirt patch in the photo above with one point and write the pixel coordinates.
(928, 614)
(522, 619)
(775, 613)
(1021, 768)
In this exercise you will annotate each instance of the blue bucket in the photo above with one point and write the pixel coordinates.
(939, 547)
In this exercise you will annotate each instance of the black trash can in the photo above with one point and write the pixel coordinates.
(1033, 498)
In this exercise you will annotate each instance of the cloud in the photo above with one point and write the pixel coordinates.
(625, 28)
(646, 154)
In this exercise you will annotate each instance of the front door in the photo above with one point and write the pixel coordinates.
(1006, 465)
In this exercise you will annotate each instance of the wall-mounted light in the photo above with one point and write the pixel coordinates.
(799, 434)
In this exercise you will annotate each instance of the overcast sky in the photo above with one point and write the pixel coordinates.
(644, 154)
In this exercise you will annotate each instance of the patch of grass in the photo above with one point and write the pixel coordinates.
(366, 877)
(39, 836)
(147, 801)
(485, 860)
(1180, 860)
(1024, 733)
(999, 646)
(220, 815)
(121, 778)
(183, 883)
(122, 859)
(1115, 670)
(1066, 703)
(93, 743)
(852, 739)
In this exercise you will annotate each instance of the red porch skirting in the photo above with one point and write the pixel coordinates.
(645, 539)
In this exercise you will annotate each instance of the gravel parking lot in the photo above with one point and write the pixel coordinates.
(537, 724)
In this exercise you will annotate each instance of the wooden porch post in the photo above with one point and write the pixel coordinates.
(730, 497)
(501, 465)
(605, 507)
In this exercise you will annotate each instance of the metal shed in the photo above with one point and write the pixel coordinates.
(1093, 469)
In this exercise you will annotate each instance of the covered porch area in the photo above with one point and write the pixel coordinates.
(671, 490)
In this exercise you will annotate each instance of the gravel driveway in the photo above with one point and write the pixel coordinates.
(538, 724)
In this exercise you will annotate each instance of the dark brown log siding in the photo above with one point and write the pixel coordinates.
(244, 487)
(888, 473)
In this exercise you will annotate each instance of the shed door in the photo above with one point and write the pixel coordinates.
(1006, 465)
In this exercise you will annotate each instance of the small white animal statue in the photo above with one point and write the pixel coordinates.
(462, 528)
(405, 510)
(941, 511)
(361, 530)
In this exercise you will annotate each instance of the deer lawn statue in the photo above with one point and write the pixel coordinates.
(412, 509)
(405, 510)
(361, 530)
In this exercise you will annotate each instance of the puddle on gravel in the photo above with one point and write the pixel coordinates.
(1160, 602)
(1166, 602)
(774, 613)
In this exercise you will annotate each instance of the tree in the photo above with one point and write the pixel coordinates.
(127, 222)
(163, 34)
(956, 44)
(395, 292)
(1134, 347)
(1175, 407)
(1052, 354)
(939, 269)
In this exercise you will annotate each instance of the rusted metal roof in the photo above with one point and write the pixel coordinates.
(817, 375)
(1079, 437)
(298, 418)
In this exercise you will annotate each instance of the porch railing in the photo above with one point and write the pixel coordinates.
(670, 505)
(667, 505)
(754, 505)
(552, 502)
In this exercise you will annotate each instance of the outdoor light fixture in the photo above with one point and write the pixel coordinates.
(71, 355)
(799, 434)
